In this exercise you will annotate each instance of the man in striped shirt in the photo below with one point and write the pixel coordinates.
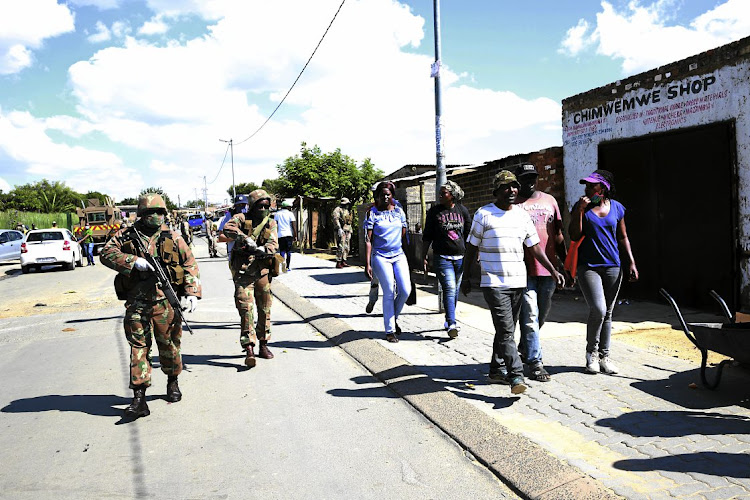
(499, 232)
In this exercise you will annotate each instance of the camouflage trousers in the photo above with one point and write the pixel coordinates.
(252, 296)
(142, 318)
(342, 252)
(211, 245)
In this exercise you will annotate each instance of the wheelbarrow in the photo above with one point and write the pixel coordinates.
(730, 339)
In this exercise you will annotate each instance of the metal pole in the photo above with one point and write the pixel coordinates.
(205, 195)
(231, 149)
(440, 156)
(440, 177)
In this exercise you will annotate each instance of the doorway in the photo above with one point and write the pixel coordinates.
(680, 194)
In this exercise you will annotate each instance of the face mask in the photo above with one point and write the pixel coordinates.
(261, 213)
(154, 220)
(243, 210)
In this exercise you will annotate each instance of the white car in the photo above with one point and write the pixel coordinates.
(50, 247)
(10, 244)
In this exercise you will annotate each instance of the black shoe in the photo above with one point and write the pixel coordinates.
(138, 408)
(173, 390)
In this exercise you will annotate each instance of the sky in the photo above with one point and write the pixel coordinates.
(119, 95)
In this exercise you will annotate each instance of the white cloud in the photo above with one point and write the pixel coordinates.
(640, 34)
(102, 33)
(362, 92)
(24, 26)
(154, 26)
(4, 186)
(100, 4)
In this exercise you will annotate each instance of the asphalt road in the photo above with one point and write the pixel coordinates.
(309, 424)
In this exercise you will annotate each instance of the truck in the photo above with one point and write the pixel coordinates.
(104, 220)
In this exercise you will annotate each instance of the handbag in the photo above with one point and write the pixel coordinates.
(571, 260)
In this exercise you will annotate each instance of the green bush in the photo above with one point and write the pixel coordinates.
(9, 219)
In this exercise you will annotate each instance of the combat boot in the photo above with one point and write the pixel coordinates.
(173, 390)
(249, 356)
(263, 350)
(138, 408)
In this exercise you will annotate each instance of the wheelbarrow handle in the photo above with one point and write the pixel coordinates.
(723, 305)
(685, 328)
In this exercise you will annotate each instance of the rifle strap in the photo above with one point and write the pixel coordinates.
(259, 229)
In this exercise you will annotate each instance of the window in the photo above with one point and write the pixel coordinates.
(96, 217)
(45, 236)
(4, 237)
(15, 235)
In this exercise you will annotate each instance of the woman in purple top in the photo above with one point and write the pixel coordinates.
(385, 229)
(600, 220)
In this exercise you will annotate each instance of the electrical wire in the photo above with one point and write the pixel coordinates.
(222, 164)
(297, 79)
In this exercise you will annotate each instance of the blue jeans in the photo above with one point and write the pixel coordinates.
(449, 273)
(504, 304)
(600, 286)
(392, 271)
(535, 305)
(286, 243)
(90, 252)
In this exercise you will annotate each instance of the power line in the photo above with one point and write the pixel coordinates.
(298, 76)
(222, 165)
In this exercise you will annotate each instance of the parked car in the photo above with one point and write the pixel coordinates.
(10, 244)
(195, 221)
(49, 247)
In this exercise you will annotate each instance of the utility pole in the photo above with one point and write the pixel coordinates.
(179, 205)
(231, 149)
(205, 195)
(440, 177)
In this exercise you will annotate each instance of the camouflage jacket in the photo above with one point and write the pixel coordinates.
(237, 229)
(342, 219)
(119, 254)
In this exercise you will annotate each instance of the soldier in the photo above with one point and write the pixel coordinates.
(210, 227)
(342, 221)
(146, 308)
(186, 231)
(253, 232)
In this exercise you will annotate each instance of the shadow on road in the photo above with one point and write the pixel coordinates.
(677, 423)
(102, 405)
(714, 463)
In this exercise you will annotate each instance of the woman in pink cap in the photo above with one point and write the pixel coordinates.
(600, 220)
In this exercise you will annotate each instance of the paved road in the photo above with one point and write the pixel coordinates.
(645, 434)
(310, 424)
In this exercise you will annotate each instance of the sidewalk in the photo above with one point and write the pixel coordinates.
(644, 433)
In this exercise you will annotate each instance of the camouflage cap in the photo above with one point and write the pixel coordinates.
(257, 195)
(504, 177)
(150, 200)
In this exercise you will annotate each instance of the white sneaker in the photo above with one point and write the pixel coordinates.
(592, 362)
(607, 366)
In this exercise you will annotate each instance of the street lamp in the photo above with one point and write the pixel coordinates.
(231, 149)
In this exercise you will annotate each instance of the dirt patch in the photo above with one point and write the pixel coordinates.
(56, 302)
(667, 342)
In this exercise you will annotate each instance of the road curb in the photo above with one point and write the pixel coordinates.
(523, 465)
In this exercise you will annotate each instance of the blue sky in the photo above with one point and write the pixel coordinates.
(118, 95)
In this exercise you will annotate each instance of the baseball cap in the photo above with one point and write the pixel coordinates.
(504, 177)
(527, 169)
(344, 201)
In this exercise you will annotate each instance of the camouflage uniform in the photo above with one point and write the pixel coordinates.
(342, 222)
(146, 308)
(252, 283)
(187, 232)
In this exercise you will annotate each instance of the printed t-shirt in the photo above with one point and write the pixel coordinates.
(447, 229)
(543, 211)
(386, 228)
(500, 236)
(599, 247)
(284, 219)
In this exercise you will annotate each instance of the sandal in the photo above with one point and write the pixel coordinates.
(390, 337)
(539, 374)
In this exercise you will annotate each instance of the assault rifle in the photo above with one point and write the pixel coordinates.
(162, 279)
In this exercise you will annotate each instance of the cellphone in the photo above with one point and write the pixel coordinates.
(596, 199)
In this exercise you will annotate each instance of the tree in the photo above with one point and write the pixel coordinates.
(42, 196)
(170, 204)
(243, 188)
(97, 195)
(194, 204)
(274, 187)
(318, 174)
(129, 201)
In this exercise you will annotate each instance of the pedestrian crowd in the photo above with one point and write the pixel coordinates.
(519, 246)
